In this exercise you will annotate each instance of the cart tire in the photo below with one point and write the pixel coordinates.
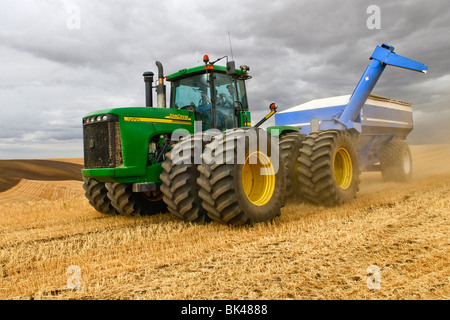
(329, 170)
(396, 161)
(290, 144)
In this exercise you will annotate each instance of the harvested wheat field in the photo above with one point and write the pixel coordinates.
(310, 252)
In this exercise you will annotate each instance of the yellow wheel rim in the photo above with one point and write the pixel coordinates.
(343, 168)
(258, 178)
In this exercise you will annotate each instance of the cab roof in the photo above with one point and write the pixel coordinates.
(200, 69)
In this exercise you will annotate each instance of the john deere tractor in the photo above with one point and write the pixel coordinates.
(199, 159)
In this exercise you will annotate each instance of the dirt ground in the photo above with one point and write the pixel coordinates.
(392, 242)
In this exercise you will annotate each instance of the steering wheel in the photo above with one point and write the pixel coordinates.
(190, 107)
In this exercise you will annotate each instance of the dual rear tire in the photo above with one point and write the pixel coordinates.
(235, 182)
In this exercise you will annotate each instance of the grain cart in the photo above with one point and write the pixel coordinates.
(146, 160)
(350, 134)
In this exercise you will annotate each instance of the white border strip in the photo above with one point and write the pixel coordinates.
(387, 121)
(387, 105)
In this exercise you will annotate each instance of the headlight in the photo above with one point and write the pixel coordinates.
(99, 118)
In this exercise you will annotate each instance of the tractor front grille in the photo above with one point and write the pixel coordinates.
(102, 143)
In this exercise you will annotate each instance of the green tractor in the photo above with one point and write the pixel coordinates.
(200, 159)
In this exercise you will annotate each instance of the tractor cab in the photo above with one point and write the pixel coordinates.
(216, 94)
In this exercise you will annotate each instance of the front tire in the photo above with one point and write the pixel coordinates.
(96, 193)
(129, 203)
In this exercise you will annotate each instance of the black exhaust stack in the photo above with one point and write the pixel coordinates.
(160, 88)
(148, 79)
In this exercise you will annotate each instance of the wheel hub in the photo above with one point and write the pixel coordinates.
(258, 178)
(343, 169)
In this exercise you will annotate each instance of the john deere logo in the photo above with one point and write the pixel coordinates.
(178, 117)
(172, 119)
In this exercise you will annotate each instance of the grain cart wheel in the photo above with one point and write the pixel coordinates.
(290, 144)
(329, 170)
(396, 161)
(126, 202)
(179, 176)
(96, 193)
(242, 180)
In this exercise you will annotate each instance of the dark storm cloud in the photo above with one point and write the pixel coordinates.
(297, 50)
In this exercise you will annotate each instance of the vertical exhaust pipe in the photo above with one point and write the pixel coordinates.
(160, 88)
(148, 79)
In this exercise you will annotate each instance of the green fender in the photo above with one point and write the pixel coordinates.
(280, 130)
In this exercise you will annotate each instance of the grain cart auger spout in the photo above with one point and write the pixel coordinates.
(383, 56)
(350, 134)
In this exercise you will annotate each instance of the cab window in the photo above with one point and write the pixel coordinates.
(194, 93)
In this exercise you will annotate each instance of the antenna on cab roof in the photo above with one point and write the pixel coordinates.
(231, 48)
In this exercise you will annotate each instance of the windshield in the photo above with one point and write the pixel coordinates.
(213, 96)
(193, 93)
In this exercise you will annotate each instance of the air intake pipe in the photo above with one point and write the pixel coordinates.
(160, 88)
(148, 79)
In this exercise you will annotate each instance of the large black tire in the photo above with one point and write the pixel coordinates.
(329, 170)
(233, 189)
(96, 193)
(290, 144)
(396, 161)
(129, 203)
(179, 176)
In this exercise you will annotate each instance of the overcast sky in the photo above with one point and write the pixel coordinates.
(63, 59)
